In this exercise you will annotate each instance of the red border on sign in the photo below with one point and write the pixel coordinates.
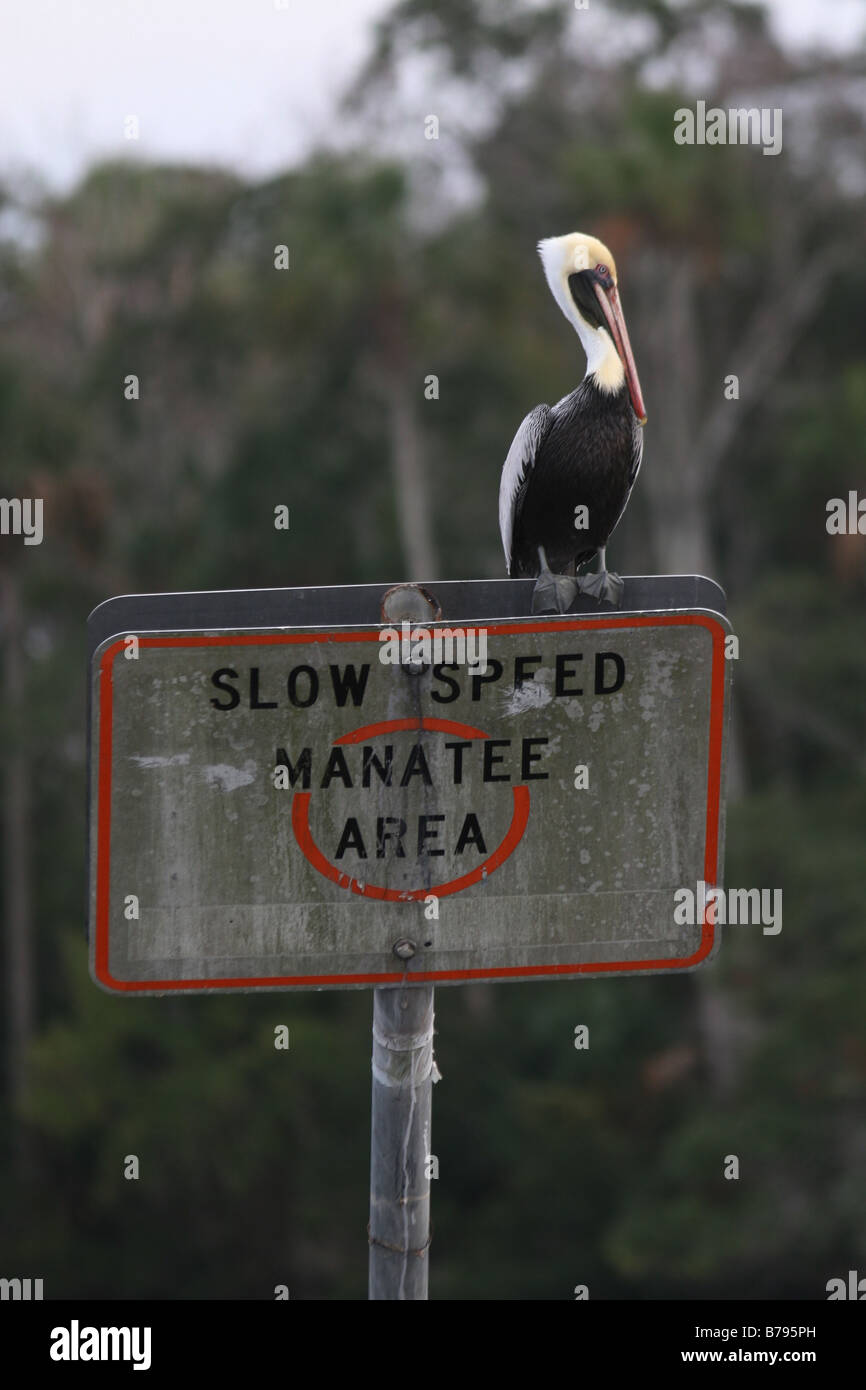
(103, 810)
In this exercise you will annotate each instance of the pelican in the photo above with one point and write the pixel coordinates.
(571, 467)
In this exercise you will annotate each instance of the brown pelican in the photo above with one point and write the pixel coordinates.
(571, 466)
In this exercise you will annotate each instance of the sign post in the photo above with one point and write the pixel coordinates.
(403, 1075)
(290, 790)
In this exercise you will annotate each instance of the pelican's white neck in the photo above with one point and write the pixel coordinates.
(602, 358)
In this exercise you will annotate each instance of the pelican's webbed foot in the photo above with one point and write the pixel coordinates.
(553, 593)
(604, 585)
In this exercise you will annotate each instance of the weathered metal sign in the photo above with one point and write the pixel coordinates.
(281, 809)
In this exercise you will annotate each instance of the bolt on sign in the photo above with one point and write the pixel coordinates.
(345, 805)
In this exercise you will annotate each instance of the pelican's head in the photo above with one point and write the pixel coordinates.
(582, 277)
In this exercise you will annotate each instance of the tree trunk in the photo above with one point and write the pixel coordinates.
(411, 485)
(400, 388)
(16, 849)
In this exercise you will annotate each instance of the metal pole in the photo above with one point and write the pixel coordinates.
(403, 1075)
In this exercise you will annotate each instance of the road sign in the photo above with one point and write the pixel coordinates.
(301, 806)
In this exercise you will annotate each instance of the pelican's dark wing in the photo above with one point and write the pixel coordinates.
(636, 459)
(516, 472)
(637, 456)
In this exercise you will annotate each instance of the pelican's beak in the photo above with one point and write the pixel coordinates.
(612, 310)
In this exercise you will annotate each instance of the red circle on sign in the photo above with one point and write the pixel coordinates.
(506, 847)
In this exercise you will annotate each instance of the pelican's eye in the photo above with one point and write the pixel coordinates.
(603, 277)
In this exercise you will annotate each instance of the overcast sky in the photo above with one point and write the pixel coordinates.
(240, 82)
